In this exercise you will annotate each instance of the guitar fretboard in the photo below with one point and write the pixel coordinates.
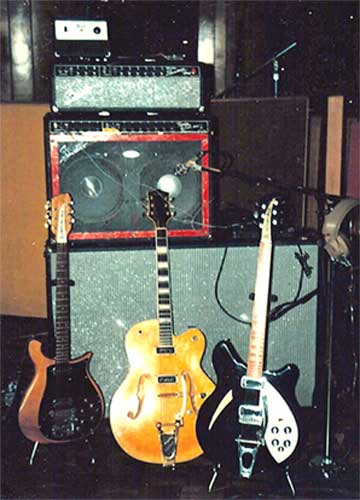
(163, 289)
(255, 362)
(62, 320)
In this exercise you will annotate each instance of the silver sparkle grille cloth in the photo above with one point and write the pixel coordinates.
(127, 92)
(114, 289)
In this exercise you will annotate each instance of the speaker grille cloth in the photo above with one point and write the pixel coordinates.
(127, 93)
(114, 289)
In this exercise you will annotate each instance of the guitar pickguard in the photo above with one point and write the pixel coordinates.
(282, 434)
(70, 408)
(154, 411)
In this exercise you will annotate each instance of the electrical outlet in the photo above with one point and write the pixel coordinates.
(68, 30)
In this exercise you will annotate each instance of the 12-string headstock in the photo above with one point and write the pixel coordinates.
(59, 216)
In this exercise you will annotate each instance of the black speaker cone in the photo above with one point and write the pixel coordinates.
(93, 178)
(109, 182)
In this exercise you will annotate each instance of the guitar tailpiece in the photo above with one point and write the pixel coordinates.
(168, 442)
(247, 455)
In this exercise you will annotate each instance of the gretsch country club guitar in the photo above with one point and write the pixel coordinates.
(153, 413)
(250, 410)
(63, 402)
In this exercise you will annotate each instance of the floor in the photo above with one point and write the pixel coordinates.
(100, 470)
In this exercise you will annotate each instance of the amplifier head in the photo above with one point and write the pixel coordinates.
(144, 87)
(109, 165)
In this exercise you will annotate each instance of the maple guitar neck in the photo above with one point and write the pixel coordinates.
(164, 306)
(256, 353)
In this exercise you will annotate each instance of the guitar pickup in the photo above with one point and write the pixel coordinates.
(252, 383)
(251, 415)
(165, 350)
(167, 379)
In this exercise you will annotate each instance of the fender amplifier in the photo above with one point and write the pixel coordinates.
(108, 165)
(145, 87)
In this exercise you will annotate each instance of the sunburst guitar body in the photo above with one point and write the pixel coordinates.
(153, 413)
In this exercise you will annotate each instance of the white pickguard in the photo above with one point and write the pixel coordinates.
(281, 434)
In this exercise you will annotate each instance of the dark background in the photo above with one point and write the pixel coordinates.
(244, 35)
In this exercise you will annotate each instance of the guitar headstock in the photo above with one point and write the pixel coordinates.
(266, 224)
(158, 207)
(59, 216)
(280, 214)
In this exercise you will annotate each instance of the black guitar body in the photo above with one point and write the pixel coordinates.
(220, 441)
(72, 405)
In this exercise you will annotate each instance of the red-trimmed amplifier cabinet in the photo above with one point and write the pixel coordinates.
(108, 165)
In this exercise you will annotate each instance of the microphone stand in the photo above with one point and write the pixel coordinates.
(276, 76)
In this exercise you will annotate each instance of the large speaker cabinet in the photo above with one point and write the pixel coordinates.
(262, 152)
(114, 289)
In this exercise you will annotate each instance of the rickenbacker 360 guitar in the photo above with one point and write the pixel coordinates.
(63, 402)
(250, 410)
(153, 413)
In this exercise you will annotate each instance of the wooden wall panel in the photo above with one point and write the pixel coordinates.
(23, 195)
(334, 144)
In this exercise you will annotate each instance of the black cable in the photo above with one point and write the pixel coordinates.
(279, 310)
(217, 291)
(282, 309)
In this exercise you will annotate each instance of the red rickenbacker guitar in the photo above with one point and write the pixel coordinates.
(154, 411)
(63, 402)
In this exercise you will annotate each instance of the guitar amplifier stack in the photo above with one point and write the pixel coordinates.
(115, 133)
(118, 131)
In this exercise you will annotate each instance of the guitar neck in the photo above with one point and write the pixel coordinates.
(164, 307)
(62, 320)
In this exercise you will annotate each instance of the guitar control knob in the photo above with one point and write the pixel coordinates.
(287, 430)
(281, 449)
(287, 443)
(203, 395)
(275, 430)
(275, 442)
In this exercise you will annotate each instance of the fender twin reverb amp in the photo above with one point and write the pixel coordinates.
(109, 164)
(145, 87)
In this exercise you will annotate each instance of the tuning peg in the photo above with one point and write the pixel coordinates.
(46, 225)
(72, 220)
(47, 204)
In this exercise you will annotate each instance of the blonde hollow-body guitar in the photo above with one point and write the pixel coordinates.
(153, 413)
